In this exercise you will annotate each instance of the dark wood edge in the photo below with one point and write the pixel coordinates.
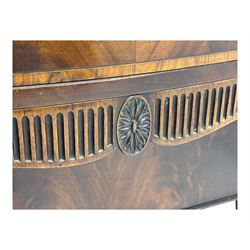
(214, 202)
(73, 92)
(200, 206)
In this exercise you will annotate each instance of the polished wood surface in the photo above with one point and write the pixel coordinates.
(56, 94)
(181, 171)
(54, 62)
(159, 50)
(192, 120)
(35, 56)
(159, 177)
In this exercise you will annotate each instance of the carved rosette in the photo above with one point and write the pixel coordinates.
(134, 125)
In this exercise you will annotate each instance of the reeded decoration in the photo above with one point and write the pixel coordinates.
(133, 128)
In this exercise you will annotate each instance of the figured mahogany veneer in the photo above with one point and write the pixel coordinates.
(38, 62)
(124, 124)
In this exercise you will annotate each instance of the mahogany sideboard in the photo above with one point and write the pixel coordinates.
(124, 124)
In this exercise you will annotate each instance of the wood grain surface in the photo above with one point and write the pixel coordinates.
(35, 56)
(200, 120)
(67, 75)
(42, 62)
(56, 94)
(156, 178)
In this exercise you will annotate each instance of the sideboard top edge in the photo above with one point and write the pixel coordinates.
(131, 69)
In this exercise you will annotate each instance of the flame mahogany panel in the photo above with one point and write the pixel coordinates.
(67, 97)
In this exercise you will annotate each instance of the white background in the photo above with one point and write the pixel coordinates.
(214, 228)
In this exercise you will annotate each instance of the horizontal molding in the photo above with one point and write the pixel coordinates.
(26, 79)
(73, 92)
(73, 134)
(186, 114)
(74, 141)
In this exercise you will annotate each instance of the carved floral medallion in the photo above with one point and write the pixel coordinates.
(134, 125)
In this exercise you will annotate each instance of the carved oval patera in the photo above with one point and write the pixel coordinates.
(134, 125)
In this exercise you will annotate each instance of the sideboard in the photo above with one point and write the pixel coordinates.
(124, 124)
